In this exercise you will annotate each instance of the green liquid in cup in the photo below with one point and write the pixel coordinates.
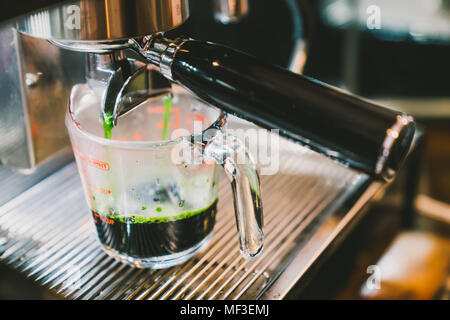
(143, 236)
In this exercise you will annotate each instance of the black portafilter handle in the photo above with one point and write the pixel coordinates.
(356, 132)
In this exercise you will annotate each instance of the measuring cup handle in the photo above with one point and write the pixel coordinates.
(241, 171)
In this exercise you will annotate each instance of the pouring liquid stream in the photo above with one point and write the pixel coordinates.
(167, 106)
(108, 123)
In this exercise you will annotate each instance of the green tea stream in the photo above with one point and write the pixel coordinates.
(108, 123)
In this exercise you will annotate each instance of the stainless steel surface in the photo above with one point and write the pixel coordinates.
(159, 51)
(127, 84)
(34, 86)
(110, 20)
(105, 73)
(122, 82)
(143, 85)
(320, 241)
(14, 129)
(382, 168)
(13, 183)
(47, 234)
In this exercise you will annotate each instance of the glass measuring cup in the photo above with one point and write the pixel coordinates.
(154, 200)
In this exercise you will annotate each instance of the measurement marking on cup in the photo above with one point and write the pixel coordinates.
(102, 165)
(99, 189)
(99, 164)
(175, 116)
(102, 218)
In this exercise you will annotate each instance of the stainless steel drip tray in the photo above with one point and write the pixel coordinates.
(47, 234)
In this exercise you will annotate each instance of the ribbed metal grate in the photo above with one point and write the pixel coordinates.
(47, 234)
(13, 183)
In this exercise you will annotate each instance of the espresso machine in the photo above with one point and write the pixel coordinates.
(339, 149)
